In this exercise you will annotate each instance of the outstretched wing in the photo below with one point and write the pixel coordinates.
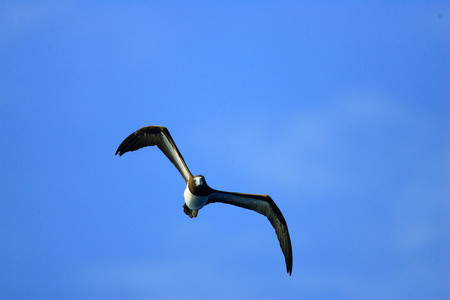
(264, 205)
(159, 136)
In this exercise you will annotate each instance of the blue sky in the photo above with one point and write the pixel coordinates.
(338, 110)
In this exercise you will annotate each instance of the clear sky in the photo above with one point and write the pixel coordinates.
(339, 110)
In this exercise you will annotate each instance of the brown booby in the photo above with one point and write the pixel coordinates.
(198, 194)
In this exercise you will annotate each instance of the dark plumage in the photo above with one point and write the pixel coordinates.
(199, 194)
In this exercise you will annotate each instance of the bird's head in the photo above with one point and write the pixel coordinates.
(198, 186)
(199, 180)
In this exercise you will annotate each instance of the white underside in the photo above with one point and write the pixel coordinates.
(192, 201)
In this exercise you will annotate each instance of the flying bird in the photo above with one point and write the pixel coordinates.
(198, 194)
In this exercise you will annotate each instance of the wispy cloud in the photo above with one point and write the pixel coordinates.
(329, 147)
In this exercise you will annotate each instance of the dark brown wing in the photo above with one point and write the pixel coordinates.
(264, 205)
(159, 136)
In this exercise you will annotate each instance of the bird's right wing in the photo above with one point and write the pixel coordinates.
(264, 205)
(159, 136)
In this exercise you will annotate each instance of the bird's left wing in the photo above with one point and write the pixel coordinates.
(264, 205)
(159, 136)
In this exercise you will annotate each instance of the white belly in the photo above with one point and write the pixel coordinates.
(192, 201)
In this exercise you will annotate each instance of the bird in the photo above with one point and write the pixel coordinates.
(199, 194)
